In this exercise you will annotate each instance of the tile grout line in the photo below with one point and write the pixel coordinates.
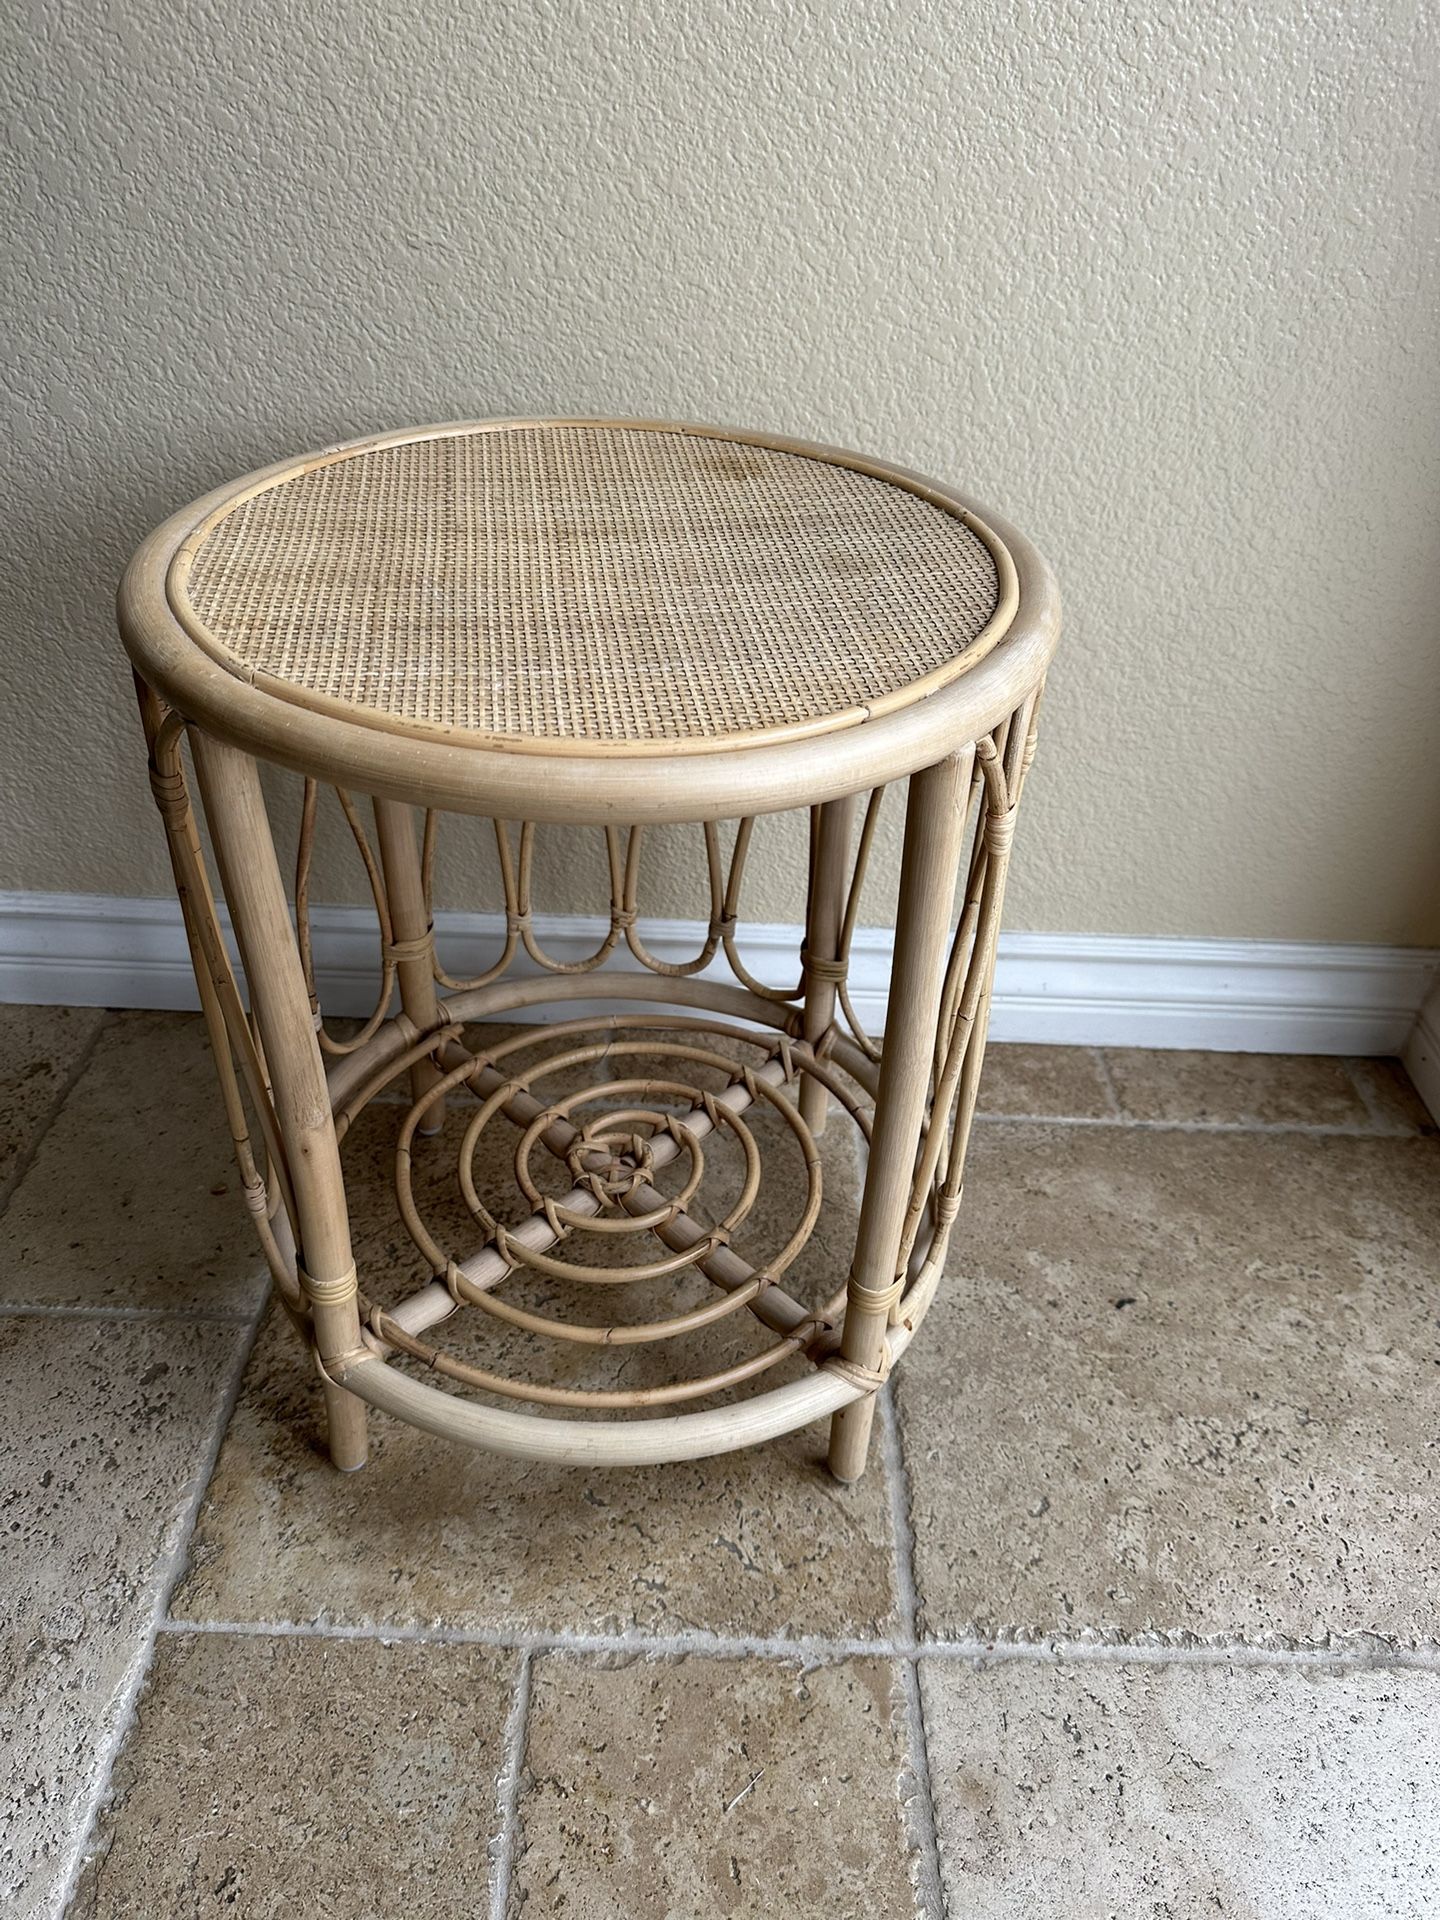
(808, 1648)
(507, 1794)
(817, 1648)
(170, 1566)
(1161, 1653)
(10, 1186)
(920, 1802)
(1312, 1129)
(210, 1316)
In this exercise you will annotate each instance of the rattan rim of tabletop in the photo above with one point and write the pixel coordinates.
(651, 780)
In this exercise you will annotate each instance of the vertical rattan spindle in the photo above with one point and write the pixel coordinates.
(280, 1004)
(414, 940)
(934, 833)
(824, 912)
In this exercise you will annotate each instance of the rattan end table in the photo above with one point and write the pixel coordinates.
(603, 624)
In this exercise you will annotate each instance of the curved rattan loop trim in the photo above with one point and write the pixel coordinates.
(730, 917)
(850, 919)
(1002, 762)
(512, 931)
(674, 970)
(389, 955)
(521, 911)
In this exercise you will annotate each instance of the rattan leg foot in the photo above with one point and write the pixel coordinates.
(346, 1429)
(280, 1004)
(934, 831)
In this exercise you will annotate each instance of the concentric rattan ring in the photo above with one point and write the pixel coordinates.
(565, 1219)
(632, 1167)
(600, 1136)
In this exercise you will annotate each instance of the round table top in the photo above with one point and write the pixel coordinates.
(574, 591)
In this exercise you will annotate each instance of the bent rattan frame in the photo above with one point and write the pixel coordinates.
(779, 594)
(462, 775)
(961, 749)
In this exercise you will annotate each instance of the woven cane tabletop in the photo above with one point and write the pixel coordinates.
(593, 587)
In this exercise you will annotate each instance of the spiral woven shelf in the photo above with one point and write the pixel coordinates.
(617, 586)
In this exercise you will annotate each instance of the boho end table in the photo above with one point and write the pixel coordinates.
(603, 624)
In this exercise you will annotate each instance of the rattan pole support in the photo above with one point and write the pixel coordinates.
(245, 853)
(934, 834)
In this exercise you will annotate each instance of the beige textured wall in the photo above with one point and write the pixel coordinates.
(1156, 281)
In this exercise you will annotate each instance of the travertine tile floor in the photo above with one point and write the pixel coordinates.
(1137, 1613)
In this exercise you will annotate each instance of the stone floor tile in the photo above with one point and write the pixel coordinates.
(1053, 1083)
(133, 1198)
(1079, 1792)
(1388, 1092)
(1185, 1383)
(278, 1777)
(660, 1788)
(1239, 1089)
(39, 1050)
(108, 1423)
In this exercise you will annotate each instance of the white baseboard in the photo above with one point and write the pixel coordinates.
(1255, 996)
(1231, 996)
(1421, 1052)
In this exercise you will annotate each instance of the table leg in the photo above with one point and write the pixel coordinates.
(934, 833)
(280, 1003)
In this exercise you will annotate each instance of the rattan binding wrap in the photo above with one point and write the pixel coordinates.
(616, 588)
